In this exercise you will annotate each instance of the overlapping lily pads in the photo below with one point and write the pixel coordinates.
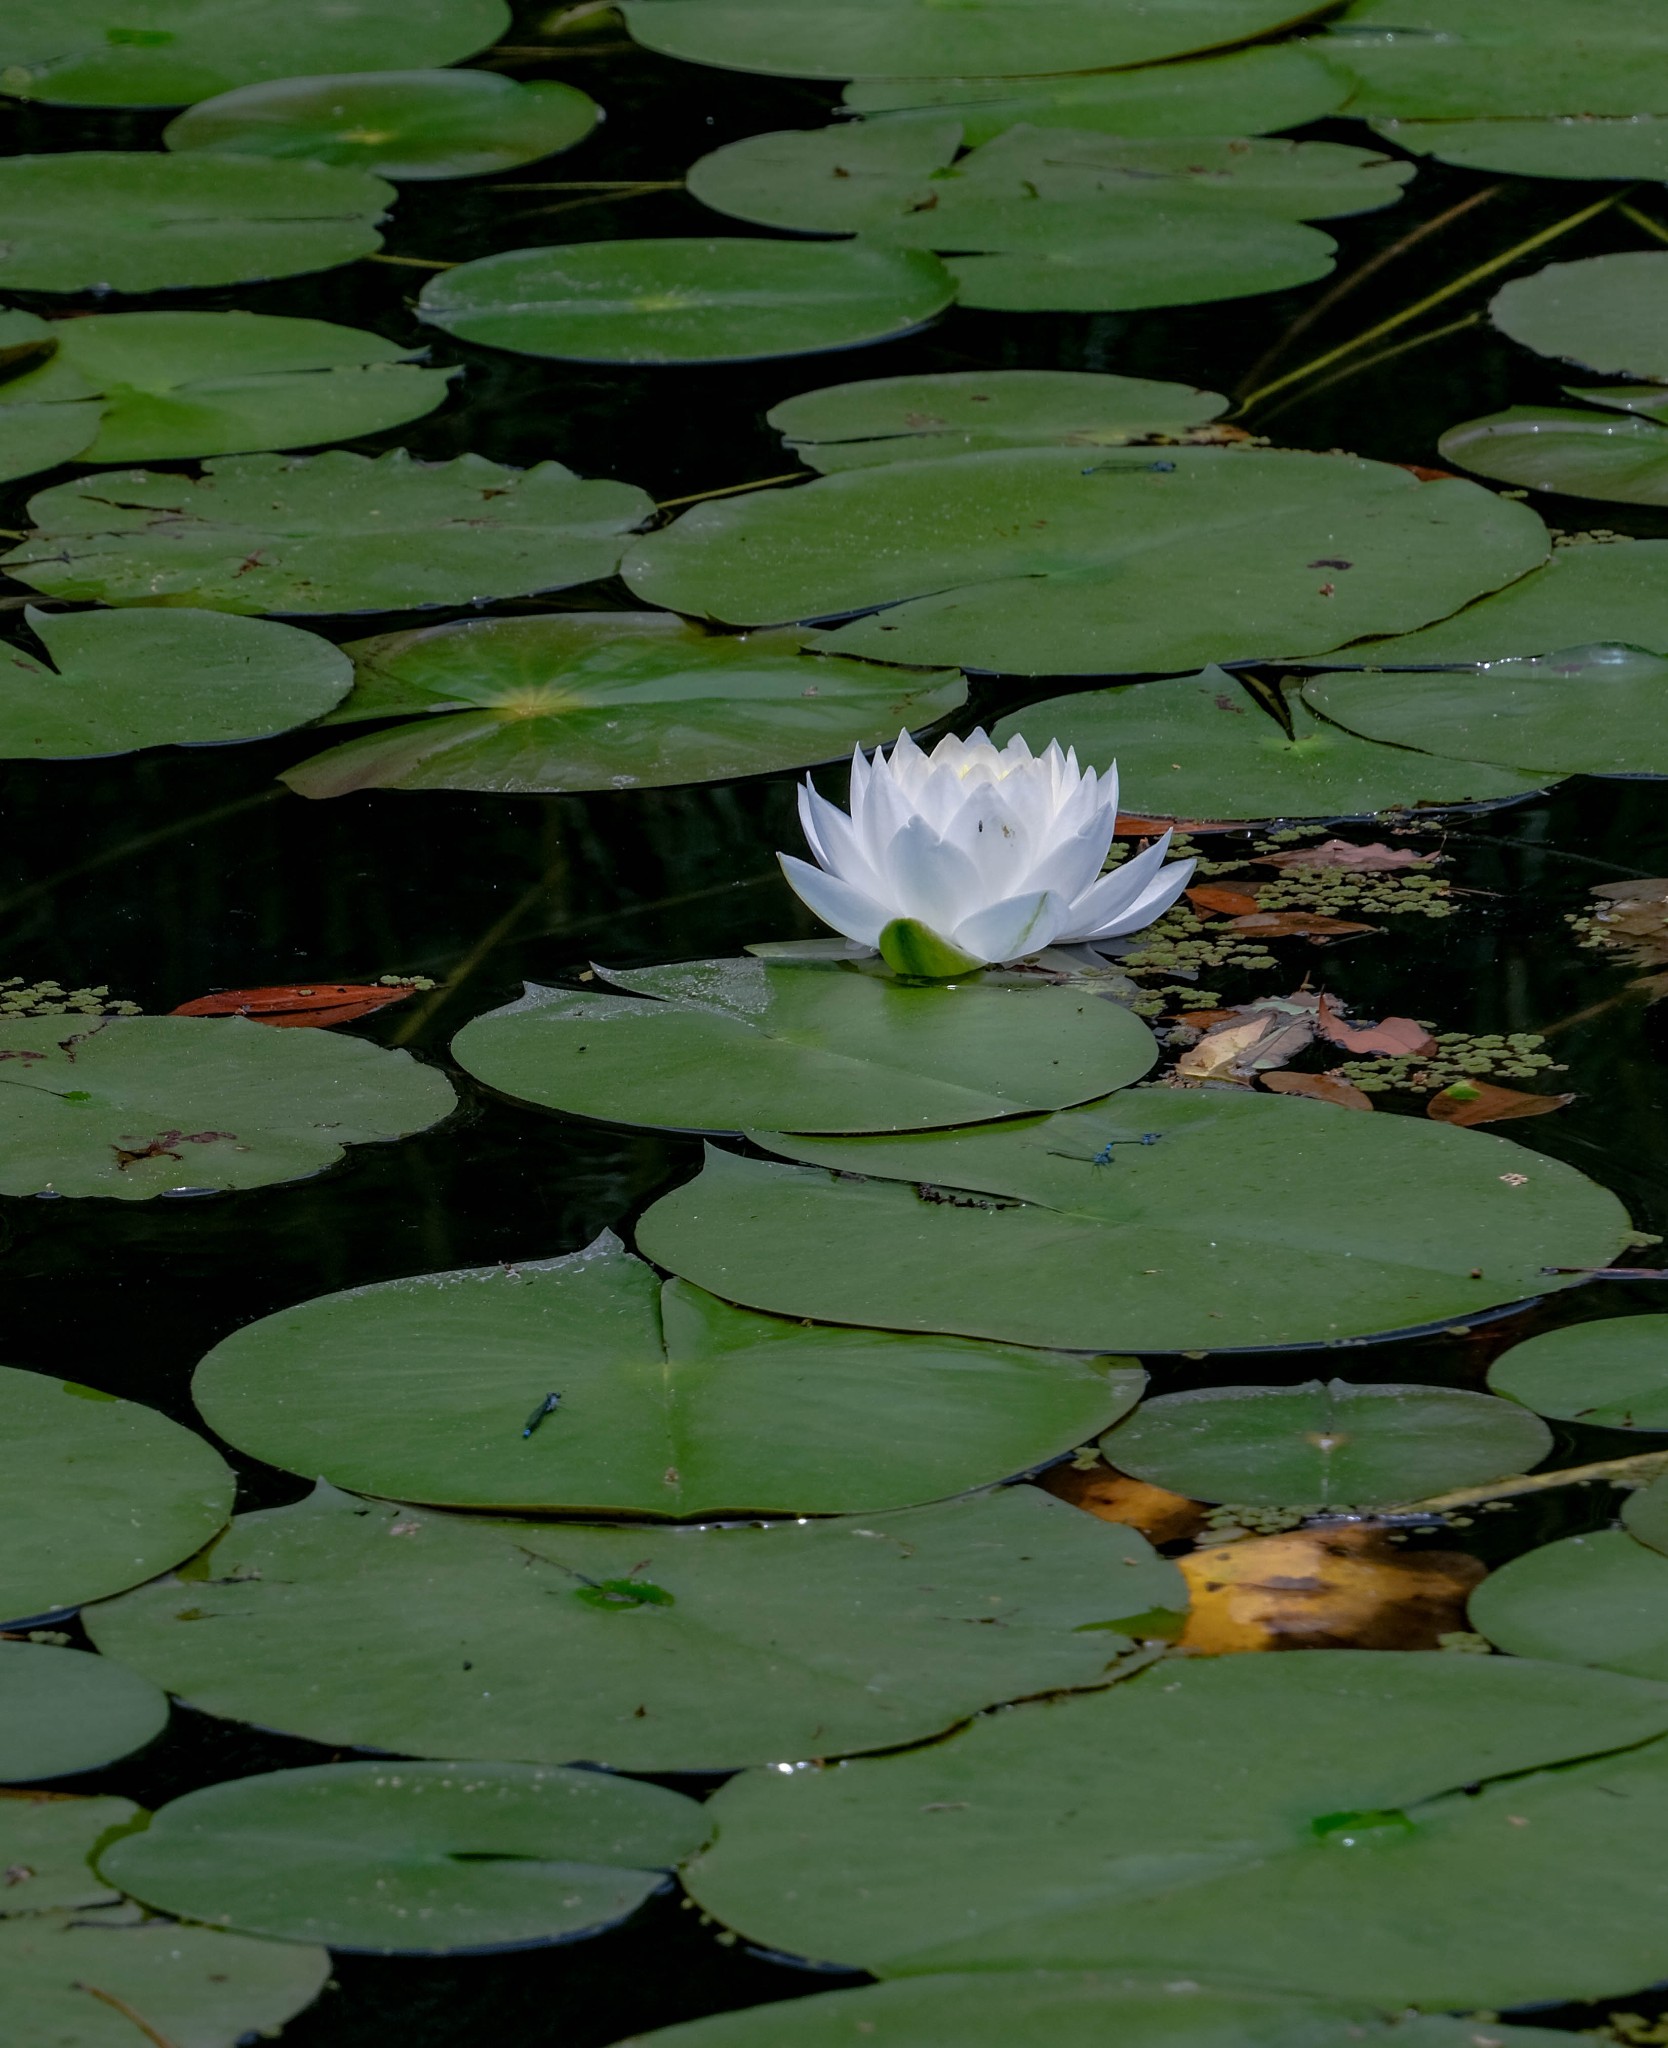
(1242, 92)
(1303, 1822)
(1565, 146)
(686, 300)
(1556, 448)
(607, 700)
(411, 1858)
(132, 1107)
(118, 680)
(914, 39)
(964, 412)
(670, 1402)
(98, 1493)
(53, 1840)
(1613, 1373)
(671, 1649)
(1600, 1599)
(1169, 557)
(160, 53)
(713, 1045)
(115, 221)
(62, 1711)
(152, 387)
(1645, 1515)
(1326, 1443)
(326, 533)
(399, 124)
(1248, 1221)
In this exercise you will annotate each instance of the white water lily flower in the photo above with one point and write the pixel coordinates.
(974, 854)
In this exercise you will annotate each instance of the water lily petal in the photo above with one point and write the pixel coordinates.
(835, 902)
(1010, 930)
(829, 833)
(930, 880)
(1070, 865)
(1000, 844)
(1130, 896)
(1150, 904)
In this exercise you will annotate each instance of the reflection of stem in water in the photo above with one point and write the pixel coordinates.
(1384, 355)
(1495, 264)
(411, 262)
(758, 483)
(597, 199)
(1643, 220)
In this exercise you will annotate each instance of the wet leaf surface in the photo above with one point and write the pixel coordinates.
(62, 1711)
(1612, 1373)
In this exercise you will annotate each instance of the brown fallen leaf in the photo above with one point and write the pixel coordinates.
(1393, 1034)
(298, 1004)
(1202, 1020)
(1338, 1587)
(1131, 826)
(1319, 1088)
(1296, 924)
(1226, 902)
(1160, 1515)
(1427, 475)
(1234, 1052)
(1344, 853)
(1480, 1102)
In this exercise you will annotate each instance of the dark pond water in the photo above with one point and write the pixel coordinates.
(171, 873)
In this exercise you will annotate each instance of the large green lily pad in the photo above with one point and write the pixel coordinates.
(649, 1649)
(153, 387)
(1606, 313)
(1325, 1443)
(160, 53)
(1295, 1822)
(1083, 2009)
(1170, 558)
(411, 1858)
(98, 1493)
(132, 1107)
(915, 39)
(1580, 597)
(1248, 1221)
(326, 533)
(53, 1839)
(1554, 448)
(114, 681)
(687, 301)
(62, 1711)
(1612, 1373)
(607, 700)
(671, 1402)
(1600, 1599)
(1567, 146)
(1203, 747)
(716, 1045)
(1592, 711)
(964, 412)
(1151, 260)
(1242, 92)
(110, 220)
(1470, 59)
(399, 124)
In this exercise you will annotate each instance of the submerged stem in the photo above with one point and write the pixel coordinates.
(1633, 1470)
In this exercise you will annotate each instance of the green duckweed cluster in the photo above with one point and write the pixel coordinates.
(1345, 892)
(1459, 1057)
(19, 998)
(1181, 942)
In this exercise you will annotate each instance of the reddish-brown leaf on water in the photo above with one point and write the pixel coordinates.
(298, 1003)
(1376, 859)
(1393, 1035)
(1319, 1088)
(1130, 826)
(1480, 1102)
(1224, 901)
(1297, 924)
(1427, 475)
(1160, 1515)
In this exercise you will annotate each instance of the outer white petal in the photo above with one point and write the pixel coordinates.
(1010, 930)
(929, 879)
(1070, 864)
(833, 840)
(1113, 892)
(887, 809)
(834, 901)
(1152, 903)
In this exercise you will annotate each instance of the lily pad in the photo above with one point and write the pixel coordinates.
(1553, 448)
(1612, 1373)
(1170, 557)
(964, 412)
(411, 1858)
(1242, 92)
(1567, 146)
(915, 39)
(399, 124)
(647, 1649)
(161, 53)
(98, 1493)
(62, 1711)
(132, 1107)
(994, 2009)
(110, 220)
(1249, 1221)
(153, 387)
(1203, 747)
(1606, 313)
(1580, 597)
(1152, 260)
(671, 1402)
(607, 700)
(1600, 1599)
(1325, 1443)
(326, 533)
(1296, 1822)
(52, 1838)
(120, 680)
(686, 300)
(714, 1045)
(1470, 59)
(1645, 1515)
